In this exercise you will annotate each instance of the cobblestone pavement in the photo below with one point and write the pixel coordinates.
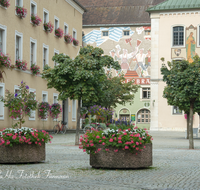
(175, 167)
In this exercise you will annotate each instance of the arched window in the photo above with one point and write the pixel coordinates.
(144, 116)
(178, 36)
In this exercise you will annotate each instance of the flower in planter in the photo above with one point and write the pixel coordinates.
(5, 3)
(48, 27)
(21, 65)
(25, 135)
(68, 38)
(35, 69)
(36, 20)
(132, 139)
(55, 110)
(21, 12)
(75, 42)
(20, 103)
(59, 32)
(43, 109)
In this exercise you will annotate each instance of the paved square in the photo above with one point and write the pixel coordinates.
(66, 167)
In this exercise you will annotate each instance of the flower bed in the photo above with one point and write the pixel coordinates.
(133, 143)
(59, 32)
(25, 145)
(21, 12)
(5, 3)
(48, 27)
(68, 38)
(35, 70)
(22, 65)
(36, 20)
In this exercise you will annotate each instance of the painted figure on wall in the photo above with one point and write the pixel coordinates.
(190, 47)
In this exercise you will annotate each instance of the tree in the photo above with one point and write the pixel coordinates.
(183, 88)
(81, 78)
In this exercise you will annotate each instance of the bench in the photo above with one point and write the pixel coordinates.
(195, 132)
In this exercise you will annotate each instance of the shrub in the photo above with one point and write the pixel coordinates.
(59, 32)
(10, 136)
(21, 12)
(132, 139)
(36, 20)
(21, 65)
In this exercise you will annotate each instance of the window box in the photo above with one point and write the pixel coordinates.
(5, 3)
(59, 32)
(35, 20)
(48, 27)
(68, 38)
(21, 12)
(75, 42)
(22, 65)
(35, 70)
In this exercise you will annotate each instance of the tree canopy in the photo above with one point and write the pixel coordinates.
(183, 87)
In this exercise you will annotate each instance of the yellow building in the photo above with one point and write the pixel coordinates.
(22, 40)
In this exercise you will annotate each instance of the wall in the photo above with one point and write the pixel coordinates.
(66, 14)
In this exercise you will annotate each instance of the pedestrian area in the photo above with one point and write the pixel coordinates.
(66, 167)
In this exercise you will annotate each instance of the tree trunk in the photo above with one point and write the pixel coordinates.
(191, 142)
(78, 122)
(188, 118)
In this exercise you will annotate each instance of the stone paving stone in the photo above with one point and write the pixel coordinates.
(175, 167)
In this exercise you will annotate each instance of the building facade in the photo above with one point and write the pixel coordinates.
(123, 30)
(175, 36)
(23, 41)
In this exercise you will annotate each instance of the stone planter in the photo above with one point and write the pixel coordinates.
(122, 158)
(22, 153)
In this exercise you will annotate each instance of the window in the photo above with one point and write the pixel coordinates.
(3, 32)
(105, 33)
(18, 45)
(146, 93)
(65, 28)
(74, 34)
(126, 33)
(45, 16)
(73, 110)
(2, 87)
(55, 98)
(44, 96)
(143, 116)
(56, 52)
(176, 110)
(33, 7)
(19, 3)
(33, 45)
(45, 55)
(56, 22)
(178, 36)
(147, 32)
(32, 112)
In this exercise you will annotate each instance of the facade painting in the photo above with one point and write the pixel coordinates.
(132, 49)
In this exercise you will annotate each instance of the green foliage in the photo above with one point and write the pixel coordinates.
(183, 84)
(20, 104)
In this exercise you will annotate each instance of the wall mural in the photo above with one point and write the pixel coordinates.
(135, 60)
(191, 49)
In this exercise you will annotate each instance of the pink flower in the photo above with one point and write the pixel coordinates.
(84, 150)
(100, 140)
(125, 134)
(136, 127)
(14, 137)
(119, 141)
(144, 146)
(137, 148)
(29, 142)
(90, 141)
(42, 139)
(103, 143)
(116, 150)
(111, 140)
(126, 147)
(35, 142)
(87, 145)
(107, 149)
(97, 137)
(8, 142)
(99, 149)
(137, 143)
(103, 137)
(91, 144)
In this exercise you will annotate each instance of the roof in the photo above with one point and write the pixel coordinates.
(80, 5)
(117, 12)
(175, 5)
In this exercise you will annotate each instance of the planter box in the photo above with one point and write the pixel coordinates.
(22, 153)
(122, 158)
